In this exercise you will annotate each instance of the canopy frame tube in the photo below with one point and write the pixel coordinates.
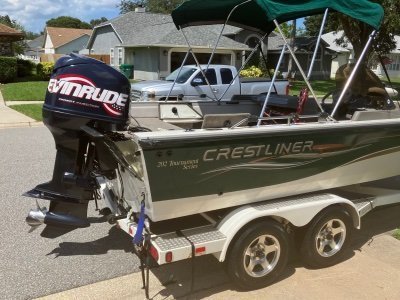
(179, 73)
(222, 30)
(198, 64)
(317, 44)
(244, 64)
(298, 65)
(353, 72)
(271, 85)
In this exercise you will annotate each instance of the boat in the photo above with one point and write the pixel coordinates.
(180, 158)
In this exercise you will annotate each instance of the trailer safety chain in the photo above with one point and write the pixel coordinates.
(144, 254)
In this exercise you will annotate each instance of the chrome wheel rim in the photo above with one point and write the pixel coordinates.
(261, 256)
(330, 238)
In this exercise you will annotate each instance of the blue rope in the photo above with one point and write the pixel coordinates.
(138, 238)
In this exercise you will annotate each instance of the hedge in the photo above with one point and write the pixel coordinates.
(8, 69)
(24, 67)
(44, 70)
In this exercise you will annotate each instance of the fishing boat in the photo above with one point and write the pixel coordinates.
(179, 158)
(218, 166)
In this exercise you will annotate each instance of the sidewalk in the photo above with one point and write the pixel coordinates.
(11, 118)
(373, 272)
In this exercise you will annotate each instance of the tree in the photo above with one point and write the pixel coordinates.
(357, 33)
(155, 6)
(29, 35)
(286, 29)
(68, 22)
(20, 45)
(95, 22)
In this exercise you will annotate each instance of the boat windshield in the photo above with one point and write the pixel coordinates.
(184, 75)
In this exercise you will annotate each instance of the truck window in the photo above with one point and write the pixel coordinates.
(211, 77)
(226, 75)
(184, 74)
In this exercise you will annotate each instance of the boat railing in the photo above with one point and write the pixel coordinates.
(290, 119)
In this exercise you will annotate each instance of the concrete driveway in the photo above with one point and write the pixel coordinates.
(370, 271)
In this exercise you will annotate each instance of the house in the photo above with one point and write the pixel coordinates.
(34, 49)
(344, 54)
(66, 40)
(304, 49)
(8, 35)
(392, 62)
(152, 44)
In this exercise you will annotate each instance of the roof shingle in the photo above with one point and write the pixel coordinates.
(151, 29)
(61, 36)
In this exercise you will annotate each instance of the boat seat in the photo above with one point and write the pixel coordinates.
(373, 114)
(224, 120)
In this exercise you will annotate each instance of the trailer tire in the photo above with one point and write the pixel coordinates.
(258, 256)
(327, 238)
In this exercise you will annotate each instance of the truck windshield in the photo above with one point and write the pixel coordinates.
(183, 76)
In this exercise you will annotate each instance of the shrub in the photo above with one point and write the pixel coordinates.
(44, 70)
(24, 67)
(253, 71)
(8, 69)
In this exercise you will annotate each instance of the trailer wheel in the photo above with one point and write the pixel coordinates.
(326, 238)
(258, 256)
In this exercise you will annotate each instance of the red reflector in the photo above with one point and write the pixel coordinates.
(168, 257)
(200, 250)
(154, 253)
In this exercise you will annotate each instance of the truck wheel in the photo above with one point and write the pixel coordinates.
(326, 238)
(258, 256)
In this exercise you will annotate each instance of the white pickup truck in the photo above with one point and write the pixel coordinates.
(190, 84)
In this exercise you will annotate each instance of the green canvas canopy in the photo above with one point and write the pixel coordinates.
(259, 14)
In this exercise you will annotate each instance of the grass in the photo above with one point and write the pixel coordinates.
(396, 234)
(24, 91)
(31, 110)
(321, 87)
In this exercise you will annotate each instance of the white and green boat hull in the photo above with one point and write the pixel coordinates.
(189, 172)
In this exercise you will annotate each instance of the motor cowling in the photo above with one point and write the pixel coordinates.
(82, 93)
(83, 87)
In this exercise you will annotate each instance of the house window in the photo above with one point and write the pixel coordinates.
(395, 63)
(120, 56)
(112, 56)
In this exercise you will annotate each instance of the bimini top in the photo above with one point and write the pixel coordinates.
(259, 14)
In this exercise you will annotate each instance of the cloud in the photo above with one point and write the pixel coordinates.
(34, 14)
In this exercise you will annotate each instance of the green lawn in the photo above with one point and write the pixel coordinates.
(321, 87)
(31, 110)
(24, 91)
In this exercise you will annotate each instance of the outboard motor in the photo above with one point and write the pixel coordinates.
(84, 97)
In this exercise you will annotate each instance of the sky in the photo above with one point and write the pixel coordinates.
(33, 14)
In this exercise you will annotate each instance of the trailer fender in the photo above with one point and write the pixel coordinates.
(299, 211)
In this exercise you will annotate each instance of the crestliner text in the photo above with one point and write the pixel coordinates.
(257, 151)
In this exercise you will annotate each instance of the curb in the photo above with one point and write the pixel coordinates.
(20, 124)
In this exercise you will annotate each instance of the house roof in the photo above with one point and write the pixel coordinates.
(305, 43)
(331, 37)
(61, 36)
(34, 46)
(10, 33)
(136, 29)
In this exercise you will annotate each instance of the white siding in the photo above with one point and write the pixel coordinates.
(48, 45)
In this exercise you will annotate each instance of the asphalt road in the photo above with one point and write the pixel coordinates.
(32, 266)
